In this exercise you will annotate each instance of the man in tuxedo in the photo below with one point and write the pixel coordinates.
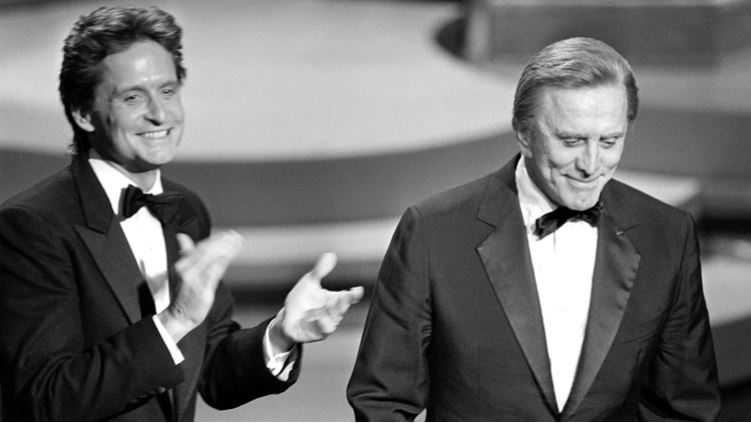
(110, 296)
(546, 290)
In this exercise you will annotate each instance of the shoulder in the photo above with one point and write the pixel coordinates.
(192, 206)
(43, 214)
(638, 203)
(459, 200)
(189, 196)
(54, 196)
(655, 220)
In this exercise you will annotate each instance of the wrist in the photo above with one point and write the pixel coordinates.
(280, 341)
(176, 323)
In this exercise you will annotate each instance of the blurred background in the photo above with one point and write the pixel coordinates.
(312, 124)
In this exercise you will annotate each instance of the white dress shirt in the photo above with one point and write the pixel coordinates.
(146, 239)
(563, 264)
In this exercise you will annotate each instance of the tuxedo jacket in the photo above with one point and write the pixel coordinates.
(455, 325)
(77, 339)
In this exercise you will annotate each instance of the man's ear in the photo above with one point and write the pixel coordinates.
(525, 138)
(83, 120)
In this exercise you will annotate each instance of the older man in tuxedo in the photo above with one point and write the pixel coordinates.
(110, 296)
(546, 290)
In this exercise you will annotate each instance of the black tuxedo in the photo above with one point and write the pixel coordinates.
(77, 342)
(455, 324)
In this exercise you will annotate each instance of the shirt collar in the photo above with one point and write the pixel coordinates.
(531, 199)
(113, 181)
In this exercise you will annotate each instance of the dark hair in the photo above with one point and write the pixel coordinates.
(106, 31)
(571, 63)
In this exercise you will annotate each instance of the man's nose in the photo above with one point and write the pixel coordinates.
(156, 112)
(589, 160)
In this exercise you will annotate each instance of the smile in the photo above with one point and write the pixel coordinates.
(155, 134)
(583, 183)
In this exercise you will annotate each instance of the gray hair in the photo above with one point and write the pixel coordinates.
(571, 63)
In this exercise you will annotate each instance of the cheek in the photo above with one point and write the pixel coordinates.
(123, 122)
(177, 111)
(611, 158)
(561, 161)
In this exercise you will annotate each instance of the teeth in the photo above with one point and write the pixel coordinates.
(158, 134)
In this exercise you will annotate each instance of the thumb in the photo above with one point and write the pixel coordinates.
(356, 294)
(186, 243)
(324, 266)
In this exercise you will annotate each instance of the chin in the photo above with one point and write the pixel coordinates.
(580, 203)
(161, 157)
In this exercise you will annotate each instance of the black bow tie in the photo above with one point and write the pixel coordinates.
(164, 206)
(550, 222)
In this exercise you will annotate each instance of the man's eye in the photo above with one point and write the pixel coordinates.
(609, 142)
(132, 98)
(169, 92)
(571, 141)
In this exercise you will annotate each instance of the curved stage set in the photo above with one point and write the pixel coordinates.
(312, 124)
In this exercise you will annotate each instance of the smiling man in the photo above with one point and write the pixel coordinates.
(547, 290)
(110, 296)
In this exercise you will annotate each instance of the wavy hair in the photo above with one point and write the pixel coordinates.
(106, 31)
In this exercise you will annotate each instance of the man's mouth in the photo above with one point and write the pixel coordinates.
(583, 182)
(155, 134)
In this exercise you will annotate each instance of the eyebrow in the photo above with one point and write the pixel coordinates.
(140, 87)
(566, 134)
(614, 134)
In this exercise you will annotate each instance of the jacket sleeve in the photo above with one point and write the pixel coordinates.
(682, 380)
(390, 377)
(50, 370)
(235, 369)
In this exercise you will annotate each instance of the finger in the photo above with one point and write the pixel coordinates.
(342, 300)
(324, 266)
(220, 248)
(327, 325)
(187, 257)
(216, 251)
(227, 245)
(186, 243)
(212, 274)
(355, 294)
(339, 304)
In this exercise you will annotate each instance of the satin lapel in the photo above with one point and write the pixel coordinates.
(505, 255)
(115, 261)
(191, 345)
(616, 264)
(105, 239)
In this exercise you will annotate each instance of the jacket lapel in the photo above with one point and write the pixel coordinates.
(616, 264)
(105, 239)
(505, 255)
(109, 247)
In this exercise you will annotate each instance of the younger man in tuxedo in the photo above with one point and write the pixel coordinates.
(110, 296)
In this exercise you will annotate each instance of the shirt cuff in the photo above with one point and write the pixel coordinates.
(278, 363)
(174, 350)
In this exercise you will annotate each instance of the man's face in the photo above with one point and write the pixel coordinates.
(575, 143)
(137, 118)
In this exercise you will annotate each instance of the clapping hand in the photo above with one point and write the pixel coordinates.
(200, 268)
(310, 312)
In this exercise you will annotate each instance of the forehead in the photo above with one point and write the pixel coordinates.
(143, 63)
(601, 102)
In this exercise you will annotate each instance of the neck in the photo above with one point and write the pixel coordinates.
(144, 180)
(526, 166)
